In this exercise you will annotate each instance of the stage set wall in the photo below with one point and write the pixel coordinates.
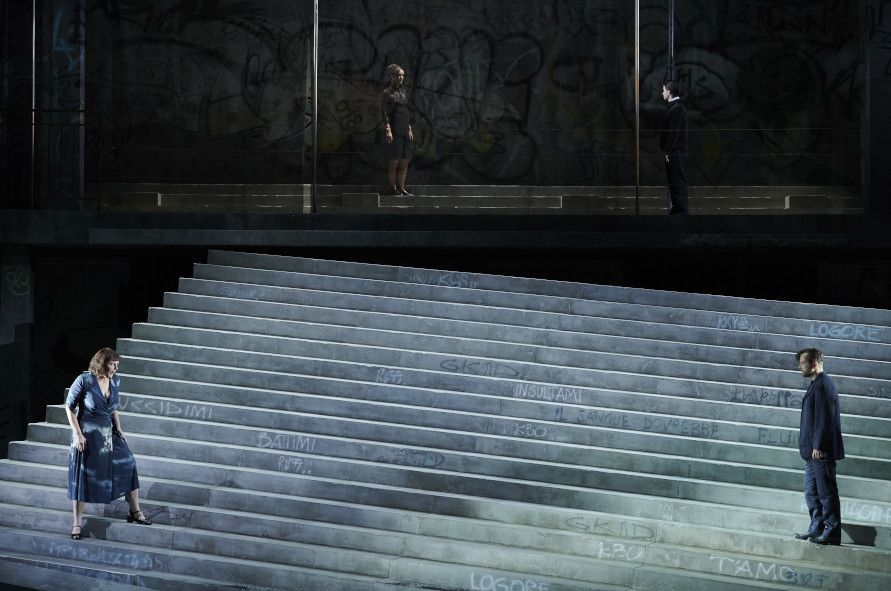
(503, 91)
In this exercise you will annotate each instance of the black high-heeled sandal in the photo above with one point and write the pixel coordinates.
(79, 534)
(132, 518)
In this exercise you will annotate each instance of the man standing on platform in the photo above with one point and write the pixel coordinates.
(673, 143)
(820, 444)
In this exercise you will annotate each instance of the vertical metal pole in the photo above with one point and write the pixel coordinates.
(33, 100)
(865, 153)
(637, 106)
(671, 39)
(315, 104)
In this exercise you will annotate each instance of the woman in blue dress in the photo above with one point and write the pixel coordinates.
(397, 131)
(100, 465)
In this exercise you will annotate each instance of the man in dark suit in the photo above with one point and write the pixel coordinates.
(820, 444)
(673, 143)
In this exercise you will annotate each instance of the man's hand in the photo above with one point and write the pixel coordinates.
(817, 454)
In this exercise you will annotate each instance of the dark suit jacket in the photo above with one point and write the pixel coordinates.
(821, 420)
(674, 128)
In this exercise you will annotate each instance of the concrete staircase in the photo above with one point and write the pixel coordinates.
(307, 424)
(472, 199)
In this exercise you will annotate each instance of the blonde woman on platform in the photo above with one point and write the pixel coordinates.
(397, 131)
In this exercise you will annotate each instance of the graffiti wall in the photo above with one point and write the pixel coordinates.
(879, 125)
(519, 91)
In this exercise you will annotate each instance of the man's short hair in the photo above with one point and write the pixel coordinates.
(673, 87)
(812, 355)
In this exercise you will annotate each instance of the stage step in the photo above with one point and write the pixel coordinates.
(472, 199)
(312, 424)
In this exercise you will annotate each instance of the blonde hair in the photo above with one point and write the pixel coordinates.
(101, 359)
(392, 70)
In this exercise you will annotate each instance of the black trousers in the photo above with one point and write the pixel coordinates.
(821, 496)
(676, 171)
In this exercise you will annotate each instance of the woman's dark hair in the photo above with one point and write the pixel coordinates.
(101, 359)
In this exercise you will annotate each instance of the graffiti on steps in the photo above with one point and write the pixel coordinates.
(784, 437)
(850, 332)
(286, 442)
(495, 582)
(549, 393)
(127, 559)
(766, 397)
(415, 458)
(628, 530)
(386, 375)
(482, 368)
(294, 465)
(738, 322)
(167, 408)
(767, 571)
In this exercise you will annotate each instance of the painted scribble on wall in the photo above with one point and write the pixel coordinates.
(518, 91)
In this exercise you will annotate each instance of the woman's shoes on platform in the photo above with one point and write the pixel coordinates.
(76, 533)
(134, 517)
(391, 191)
(405, 192)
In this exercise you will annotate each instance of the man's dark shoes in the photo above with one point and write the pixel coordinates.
(828, 538)
(806, 535)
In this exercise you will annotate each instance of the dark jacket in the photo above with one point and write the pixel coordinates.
(674, 128)
(821, 421)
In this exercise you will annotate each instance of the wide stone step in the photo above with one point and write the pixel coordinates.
(337, 325)
(253, 513)
(435, 468)
(245, 294)
(537, 420)
(168, 396)
(455, 374)
(304, 544)
(549, 303)
(612, 560)
(432, 277)
(130, 553)
(544, 441)
(20, 570)
(457, 448)
(746, 394)
(544, 364)
(636, 518)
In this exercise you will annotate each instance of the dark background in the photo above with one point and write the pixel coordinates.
(504, 92)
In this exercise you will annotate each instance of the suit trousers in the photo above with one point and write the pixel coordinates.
(676, 171)
(821, 496)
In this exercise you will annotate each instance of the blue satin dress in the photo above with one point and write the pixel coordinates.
(105, 470)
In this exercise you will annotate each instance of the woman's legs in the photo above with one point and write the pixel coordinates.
(132, 499)
(403, 172)
(78, 507)
(391, 174)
